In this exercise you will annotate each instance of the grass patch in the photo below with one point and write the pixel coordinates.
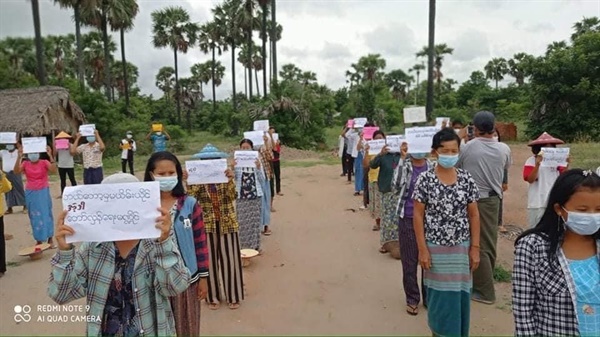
(585, 155)
(13, 264)
(502, 275)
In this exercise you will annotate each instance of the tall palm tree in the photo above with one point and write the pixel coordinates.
(16, 50)
(438, 53)
(518, 67)
(591, 24)
(172, 29)
(124, 85)
(274, 40)
(190, 96)
(248, 22)
(39, 46)
(211, 39)
(93, 55)
(496, 69)
(258, 61)
(263, 35)
(274, 32)
(371, 67)
(398, 81)
(165, 81)
(417, 68)
(202, 72)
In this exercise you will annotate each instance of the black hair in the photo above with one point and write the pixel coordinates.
(537, 148)
(551, 225)
(247, 141)
(457, 121)
(498, 133)
(377, 133)
(271, 128)
(369, 125)
(178, 191)
(444, 135)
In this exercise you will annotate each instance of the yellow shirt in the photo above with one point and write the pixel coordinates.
(373, 173)
(5, 186)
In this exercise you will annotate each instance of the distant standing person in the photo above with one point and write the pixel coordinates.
(5, 186)
(159, 140)
(276, 161)
(16, 196)
(128, 148)
(66, 164)
(92, 158)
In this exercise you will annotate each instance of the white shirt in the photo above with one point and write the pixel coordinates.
(133, 148)
(9, 159)
(353, 139)
(65, 159)
(537, 196)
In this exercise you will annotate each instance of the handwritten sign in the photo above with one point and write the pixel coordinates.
(369, 131)
(275, 137)
(61, 144)
(419, 139)
(394, 142)
(262, 125)
(439, 121)
(554, 157)
(8, 138)
(157, 127)
(255, 136)
(202, 172)
(87, 129)
(414, 115)
(112, 212)
(245, 158)
(360, 122)
(375, 146)
(350, 123)
(34, 144)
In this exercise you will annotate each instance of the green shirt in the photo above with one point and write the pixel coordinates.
(386, 165)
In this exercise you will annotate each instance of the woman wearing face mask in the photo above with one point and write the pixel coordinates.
(248, 184)
(16, 197)
(92, 157)
(446, 223)
(128, 147)
(406, 174)
(37, 193)
(190, 234)
(374, 194)
(556, 273)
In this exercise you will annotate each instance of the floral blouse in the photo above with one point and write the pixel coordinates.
(446, 220)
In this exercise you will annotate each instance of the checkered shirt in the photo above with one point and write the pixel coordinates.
(401, 182)
(224, 197)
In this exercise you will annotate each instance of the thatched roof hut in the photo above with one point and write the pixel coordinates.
(38, 111)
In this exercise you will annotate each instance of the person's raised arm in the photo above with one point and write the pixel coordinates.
(149, 135)
(99, 140)
(167, 134)
(18, 169)
(533, 174)
(73, 147)
(52, 168)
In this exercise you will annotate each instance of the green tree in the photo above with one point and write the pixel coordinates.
(584, 26)
(264, 12)
(249, 22)
(417, 68)
(165, 81)
(440, 51)
(94, 56)
(496, 69)
(202, 72)
(518, 67)
(211, 39)
(398, 82)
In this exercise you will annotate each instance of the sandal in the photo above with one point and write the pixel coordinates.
(214, 306)
(267, 232)
(376, 228)
(8, 237)
(382, 250)
(412, 310)
(234, 306)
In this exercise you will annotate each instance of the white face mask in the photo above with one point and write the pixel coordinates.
(129, 136)
(495, 138)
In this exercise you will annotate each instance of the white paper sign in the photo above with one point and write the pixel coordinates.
(394, 142)
(201, 172)
(554, 157)
(112, 212)
(87, 129)
(8, 138)
(275, 137)
(419, 139)
(34, 144)
(262, 125)
(255, 136)
(360, 122)
(415, 115)
(245, 158)
(439, 121)
(375, 146)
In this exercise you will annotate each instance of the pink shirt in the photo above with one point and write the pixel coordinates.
(36, 174)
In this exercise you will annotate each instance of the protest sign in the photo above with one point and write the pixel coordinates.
(439, 121)
(87, 130)
(554, 157)
(112, 212)
(202, 172)
(34, 144)
(61, 144)
(350, 123)
(256, 137)
(276, 137)
(375, 146)
(360, 122)
(419, 139)
(395, 142)
(8, 138)
(262, 125)
(369, 131)
(415, 115)
(245, 158)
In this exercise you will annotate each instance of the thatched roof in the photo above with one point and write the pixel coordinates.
(38, 111)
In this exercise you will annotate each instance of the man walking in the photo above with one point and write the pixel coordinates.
(486, 160)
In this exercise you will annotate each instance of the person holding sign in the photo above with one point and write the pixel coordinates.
(276, 161)
(446, 224)
(266, 154)
(373, 175)
(128, 148)
(159, 139)
(127, 283)
(5, 186)
(66, 164)
(248, 184)
(217, 202)
(540, 178)
(92, 157)
(37, 193)
(15, 197)
(190, 234)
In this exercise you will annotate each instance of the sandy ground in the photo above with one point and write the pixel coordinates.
(321, 272)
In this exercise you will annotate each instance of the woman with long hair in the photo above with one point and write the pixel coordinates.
(373, 175)
(556, 273)
(190, 235)
(248, 184)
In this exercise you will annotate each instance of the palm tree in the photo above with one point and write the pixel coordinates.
(248, 22)
(16, 50)
(218, 72)
(124, 85)
(555, 46)
(417, 68)
(228, 15)
(172, 29)
(397, 81)
(247, 57)
(263, 35)
(274, 40)
(439, 51)
(585, 26)
(430, 59)
(518, 65)
(274, 31)
(211, 40)
(202, 72)
(190, 95)
(258, 61)
(165, 81)
(371, 66)
(496, 69)
(93, 55)
(39, 47)
(354, 77)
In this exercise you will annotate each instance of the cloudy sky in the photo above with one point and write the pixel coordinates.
(327, 36)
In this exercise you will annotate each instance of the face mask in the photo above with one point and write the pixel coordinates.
(10, 147)
(418, 155)
(583, 223)
(447, 161)
(495, 139)
(159, 133)
(167, 184)
(457, 131)
(129, 136)
(34, 157)
(91, 139)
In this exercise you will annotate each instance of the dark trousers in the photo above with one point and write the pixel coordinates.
(483, 276)
(409, 254)
(366, 186)
(92, 176)
(63, 172)
(349, 166)
(277, 172)
(272, 187)
(2, 247)
(124, 163)
(344, 167)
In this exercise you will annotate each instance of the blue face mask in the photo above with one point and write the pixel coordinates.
(10, 147)
(91, 139)
(418, 155)
(33, 157)
(583, 223)
(167, 184)
(447, 161)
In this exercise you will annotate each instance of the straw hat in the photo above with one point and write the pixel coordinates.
(62, 135)
(210, 152)
(545, 138)
(119, 178)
